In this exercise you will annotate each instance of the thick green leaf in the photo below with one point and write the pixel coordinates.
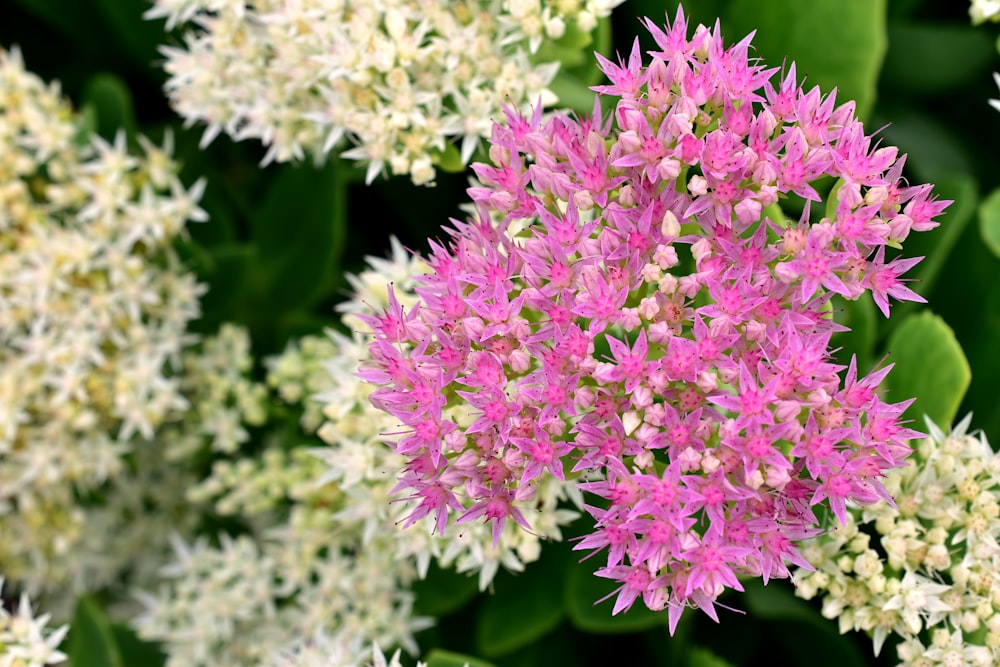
(935, 58)
(702, 657)
(111, 101)
(91, 641)
(834, 43)
(930, 366)
(524, 607)
(934, 151)
(989, 221)
(804, 634)
(134, 651)
(449, 159)
(299, 234)
(936, 245)
(75, 20)
(138, 36)
(442, 592)
(227, 276)
(440, 658)
(572, 93)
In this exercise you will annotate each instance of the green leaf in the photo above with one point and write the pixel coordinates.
(702, 657)
(440, 658)
(75, 20)
(449, 159)
(803, 633)
(989, 221)
(834, 43)
(935, 58)
(443, 592)
(572, 93)
(524, 607)
(935, 246)
(584, 589)
(929, 366)
(138, 36)
(299, 233)
(934, 151)
(111, 101)
(91, 641)
(134, 651)
(227, 277)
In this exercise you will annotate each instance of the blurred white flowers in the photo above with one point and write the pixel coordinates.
(400, 79)
(94, 308)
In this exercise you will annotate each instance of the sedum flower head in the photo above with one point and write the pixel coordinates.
(400, 80)
(631, 313)
(928, 572)
(94, 305)
(24, 639)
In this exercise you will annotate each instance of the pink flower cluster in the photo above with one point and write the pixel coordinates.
(630, 309)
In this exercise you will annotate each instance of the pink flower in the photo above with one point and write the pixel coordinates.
(623, 308)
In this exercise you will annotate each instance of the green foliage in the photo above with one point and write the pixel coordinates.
(930, 366)
(523, 607)
(441, 658)
(805, 635)
(702, 657)
(92, 641)
(112, 106)
(443, 592)
(989, 221)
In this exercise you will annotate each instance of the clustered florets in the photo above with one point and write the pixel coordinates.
(25, 641)
(94, 307)
(399, 79)
(631, 309)
(925, 568)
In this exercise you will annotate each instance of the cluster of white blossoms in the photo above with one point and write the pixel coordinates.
(142, 508)
(926, 569)
(326, 567)
(984, 10)
(401, 80)
(24, 639)
(94, 308)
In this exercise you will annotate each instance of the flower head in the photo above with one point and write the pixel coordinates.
(936, 586)
(401, 81)
(660, 323)
(94, 308)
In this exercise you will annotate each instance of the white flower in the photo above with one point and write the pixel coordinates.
(24, 639)
(984, 10)
(94, 307)
(401, 81)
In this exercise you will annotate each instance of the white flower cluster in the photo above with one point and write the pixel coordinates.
(328, 564)
(142, 507)
(398, 78)
(24, 639)
(94, 307)
(984, 10)
(932, 575)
